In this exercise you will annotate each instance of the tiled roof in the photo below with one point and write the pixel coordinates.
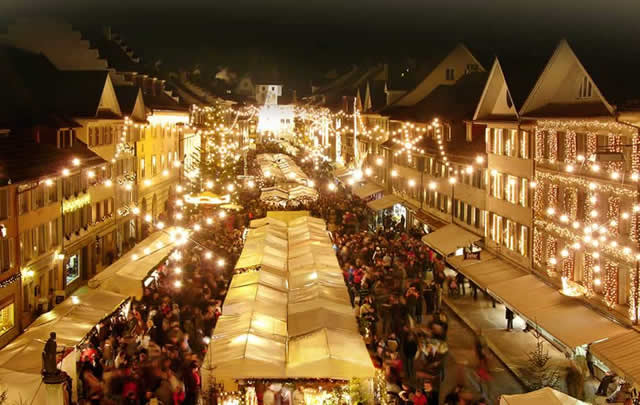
(78, 93)
(115, 56)
(127, 96)
(456, 102)
(521, 69)
(22, 159)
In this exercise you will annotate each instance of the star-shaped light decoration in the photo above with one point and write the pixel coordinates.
(407, 142)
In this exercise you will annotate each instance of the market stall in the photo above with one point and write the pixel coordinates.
(543, 396)
(295, 326)
(129, 275)
(72, 320)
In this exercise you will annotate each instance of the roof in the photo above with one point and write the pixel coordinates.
(22, 159)
(522, 69)
(378, 95)
(77, 92)
(614, 68)
(162, 101)
(570, 110)
(455, 102)
(127, 96)
(115, 56)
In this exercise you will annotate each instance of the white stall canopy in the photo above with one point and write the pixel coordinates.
(543, 396)
(328, 352)
(126, 275)
(294, 323)
(449, 238)
(72, 320)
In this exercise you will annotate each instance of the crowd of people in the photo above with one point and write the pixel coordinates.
(153, 353)
(395, 283)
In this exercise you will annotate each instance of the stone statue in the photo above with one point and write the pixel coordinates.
(49, 361)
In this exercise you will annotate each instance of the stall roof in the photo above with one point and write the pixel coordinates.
(126, 275)
(257, 223)
(259, 277)
(327, 352)
(565, 318)
(245, 356)
(366, 189)
(488, 270)
(385, 202)
(449, 238)
(622, 354)
(252, 323)
(546, 396)
(21, 360)
(262, 321)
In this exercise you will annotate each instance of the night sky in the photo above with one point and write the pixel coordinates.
(309, 36)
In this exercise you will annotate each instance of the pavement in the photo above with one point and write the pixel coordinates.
(460, 364)
(512, 348)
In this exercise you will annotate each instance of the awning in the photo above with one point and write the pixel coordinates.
(428, 219)
(622, 354)
(126, 275)
(546, 396)
(486, 271)
(565, 318)
(449, 238)
(366, 190)
(384, 202)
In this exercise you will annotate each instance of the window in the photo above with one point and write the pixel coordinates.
(524, 145)
(512, 189)
(154, 168)
(23, 203)
(42, 232)
(72, 269)
(472, 67)
(142, 169)
(510, 235)
(53, 233)
(25, 246)
(523, 241)
(4, 204)
(52, 192)
(37, 197)
(585, 88)
(450, 74)
(496, 228)
(497, 185)
(7, 317)
(5, 255)
(524, 192)
(162, 166)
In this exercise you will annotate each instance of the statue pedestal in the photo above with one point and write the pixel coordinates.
(55, 394)
(55, 386)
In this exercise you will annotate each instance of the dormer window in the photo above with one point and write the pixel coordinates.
(450, 74)
(585, 88)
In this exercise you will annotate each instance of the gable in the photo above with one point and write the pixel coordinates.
(496, 102)
(563, 86)
(139, 112)
(108, 99)
(459, 59)
(367, 98)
